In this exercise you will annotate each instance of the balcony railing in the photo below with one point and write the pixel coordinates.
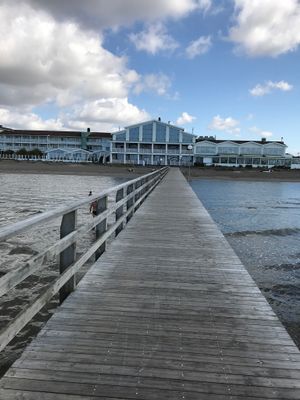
(132, 150)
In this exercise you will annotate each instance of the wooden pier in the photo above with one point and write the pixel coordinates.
(168, 312)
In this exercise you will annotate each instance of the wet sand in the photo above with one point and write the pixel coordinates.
(123, 171)
(255, 174)
(60, 168)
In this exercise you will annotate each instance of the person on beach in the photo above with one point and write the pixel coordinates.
(90, 193)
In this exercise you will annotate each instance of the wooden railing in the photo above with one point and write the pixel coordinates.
(129, 196)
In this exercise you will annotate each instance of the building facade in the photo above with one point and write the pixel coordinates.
(234, 153)
(153, 143)
(148, 143)
(57, 145)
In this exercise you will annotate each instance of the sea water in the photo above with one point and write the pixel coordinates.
(22, 196)
(261, 221)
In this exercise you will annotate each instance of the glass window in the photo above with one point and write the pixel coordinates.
(160, 132)
(173, 135)
(121, 136)
(187, 138)
(228, 150)
(273, 151)
(134, 134)
(205, 149)
(147, 133)
(250, 150)
(224, 160)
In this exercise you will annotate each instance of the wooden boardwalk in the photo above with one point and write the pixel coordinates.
(169, 312)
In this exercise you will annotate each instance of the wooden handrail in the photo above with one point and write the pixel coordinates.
(134, 192)
(9, 231)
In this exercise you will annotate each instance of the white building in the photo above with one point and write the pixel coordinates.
(153, 143)
(234, 153)
(147, 143)
(57, 145)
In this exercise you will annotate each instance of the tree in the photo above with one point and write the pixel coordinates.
(22, 152)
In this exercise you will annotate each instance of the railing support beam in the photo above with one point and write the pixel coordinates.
(68, 256)
(120, 210)
(102, 226)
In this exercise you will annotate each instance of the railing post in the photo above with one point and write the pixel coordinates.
(102, 226)
(67, 257)
(138, 194)
(120, 210)
(130, 202)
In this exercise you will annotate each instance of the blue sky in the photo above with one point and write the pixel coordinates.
(224, 68)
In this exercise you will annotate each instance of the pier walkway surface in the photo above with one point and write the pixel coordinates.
(168, 312)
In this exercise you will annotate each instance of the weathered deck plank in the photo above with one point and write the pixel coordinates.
(169, 312)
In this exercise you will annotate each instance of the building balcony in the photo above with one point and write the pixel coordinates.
(159, 151)
(128, 150)
(143, 151)
(183, 151)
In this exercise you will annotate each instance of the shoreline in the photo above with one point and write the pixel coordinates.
(126, 171)
(283, 175)
(60, 168)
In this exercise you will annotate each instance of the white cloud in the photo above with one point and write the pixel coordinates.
(154, 39)
(199, 46)
(228, 125)
(99, 14)
(110, 112)
(266, 27)
(102, 114)
(260, 132)
(185, 118)
(52, 52)
(45, 61)
(157, 83)
(20, 120)
(268, 87)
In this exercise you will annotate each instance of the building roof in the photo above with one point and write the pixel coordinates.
(150, 122)
(213, 140)
(20, 132)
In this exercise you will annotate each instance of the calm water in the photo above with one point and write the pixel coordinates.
(261, 221)
(20, 197)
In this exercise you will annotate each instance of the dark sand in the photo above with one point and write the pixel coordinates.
(60, 168)
(255, 174)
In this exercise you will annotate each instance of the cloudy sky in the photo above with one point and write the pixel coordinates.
(228, 68)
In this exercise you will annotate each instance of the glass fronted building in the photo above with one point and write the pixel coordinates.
(153, 143)
(235, 153)
(147, 143)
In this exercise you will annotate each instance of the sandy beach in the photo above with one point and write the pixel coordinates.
(60, 168)
(124, 171)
